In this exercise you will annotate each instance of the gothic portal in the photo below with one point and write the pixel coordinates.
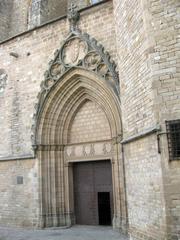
(78, 120)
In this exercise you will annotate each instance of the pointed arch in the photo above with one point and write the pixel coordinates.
(62, 94)
(76, 86)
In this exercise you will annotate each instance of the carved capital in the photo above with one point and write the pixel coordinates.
(117, 139)
(49, 147)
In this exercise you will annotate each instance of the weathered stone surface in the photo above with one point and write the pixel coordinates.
(142, 38)
(147, 40)
(18, 16)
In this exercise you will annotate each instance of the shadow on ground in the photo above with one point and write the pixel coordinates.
(73, 233)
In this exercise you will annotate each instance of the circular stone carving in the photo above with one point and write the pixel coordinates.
(91, 60)
(74, 51)
(102, 69)
(57, 70)
(48, 83)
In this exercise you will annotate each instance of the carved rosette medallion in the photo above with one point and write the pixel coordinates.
(103, 69)
(74, 51)
(91, 60)
(57, 69)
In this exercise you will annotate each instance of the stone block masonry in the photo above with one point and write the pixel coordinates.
(143, 39)
(35, 48)
(18, 16)
(90, 124)
(147, 39)
(19, 199)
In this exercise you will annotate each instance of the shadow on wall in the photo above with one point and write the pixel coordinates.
(18, 16)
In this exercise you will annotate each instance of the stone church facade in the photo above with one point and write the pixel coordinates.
(90, 115)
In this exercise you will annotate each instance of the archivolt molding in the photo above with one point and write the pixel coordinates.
(77, 86)
(78, 51)
(80, 71)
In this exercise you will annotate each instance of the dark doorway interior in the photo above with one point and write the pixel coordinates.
(104, 208)
(93, 201)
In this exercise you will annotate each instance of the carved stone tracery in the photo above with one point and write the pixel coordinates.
(73, 51)
(81, 51)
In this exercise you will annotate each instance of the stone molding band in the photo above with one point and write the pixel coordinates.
(14, 158)
(44, 147)
(141, 135)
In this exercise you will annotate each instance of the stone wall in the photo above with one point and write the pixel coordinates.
(147, 39)
(52, 9)
(36, 48)
(162, 24)
(42, 11)
(5, 9)
(34, 14)
(133, 61)
(24, 59)
(89, 124)
(14, 17)
(145, 200)
(18, 16)
(145, 48)
(19, 193)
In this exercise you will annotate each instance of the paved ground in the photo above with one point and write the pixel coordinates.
(74, 233)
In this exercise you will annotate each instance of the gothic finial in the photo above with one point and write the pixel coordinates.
(73, 16)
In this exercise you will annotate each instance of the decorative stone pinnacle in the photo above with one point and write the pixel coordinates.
(73, 16)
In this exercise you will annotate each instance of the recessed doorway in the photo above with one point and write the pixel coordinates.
(104, 208)
(93, 201)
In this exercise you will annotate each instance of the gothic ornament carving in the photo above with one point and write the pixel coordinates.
(81, 51)
(73, 52)
(88, 150)
(73, 16)
(92, 60)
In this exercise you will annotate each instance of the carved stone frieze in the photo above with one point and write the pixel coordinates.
(88, 150)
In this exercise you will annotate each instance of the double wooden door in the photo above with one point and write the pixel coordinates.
(93, 201)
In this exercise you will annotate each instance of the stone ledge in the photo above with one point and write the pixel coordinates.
(142, 134)
(22, 157)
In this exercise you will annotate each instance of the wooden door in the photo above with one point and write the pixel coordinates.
(92, 189)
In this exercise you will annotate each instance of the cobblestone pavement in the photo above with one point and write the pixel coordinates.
(74, 233)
